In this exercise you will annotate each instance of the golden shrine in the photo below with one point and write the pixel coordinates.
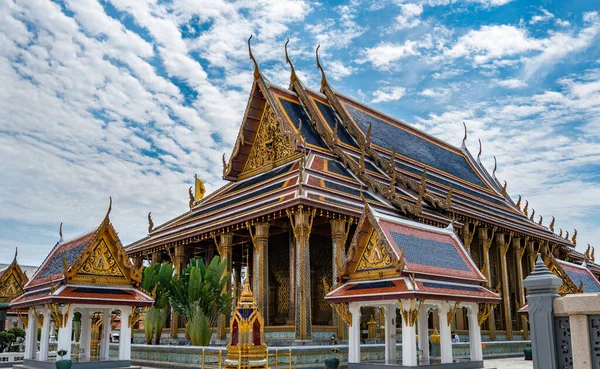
(302, 163)
(246, 348)
(12, 283)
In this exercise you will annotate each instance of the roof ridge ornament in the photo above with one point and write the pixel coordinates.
(552, 224)
(16, 253)
(293, 76)
(532, 214)
(574, 239)
(60, 232)
(150, 223)
(541, 220)
(324, 82)
(256, 69)
(191, 195)
(479, 154)
(464, 141)
(109, 208)
(495, 167)
(518, 205)
(525, 209)
(504, 193)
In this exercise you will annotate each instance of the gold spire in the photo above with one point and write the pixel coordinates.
(293, 76)
(256, 70)
(246, 297)
(323, 78)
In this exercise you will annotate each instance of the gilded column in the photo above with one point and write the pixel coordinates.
(260, 270)
(292, 281)
(224, 248)
(156, 257)
(519, 249)
(503, 245)
(530, 244)
(486, 243)
(339, 236)
(301, 220)
(178, 261)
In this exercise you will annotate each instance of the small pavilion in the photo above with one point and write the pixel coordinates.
(394, 263)
(12, 283)
(86, 275)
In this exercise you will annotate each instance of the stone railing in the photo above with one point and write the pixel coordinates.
(565, 331)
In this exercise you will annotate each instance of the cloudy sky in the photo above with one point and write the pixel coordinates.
(130, 98)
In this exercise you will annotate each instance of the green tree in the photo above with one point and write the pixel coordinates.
(157, 279)
(200, 295)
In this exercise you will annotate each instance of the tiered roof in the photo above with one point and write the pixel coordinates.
(12, 280)
(91, 268)
(297, 145)
(392, 258)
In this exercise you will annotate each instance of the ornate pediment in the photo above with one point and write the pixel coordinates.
(13, 281)
(101, 261)
(271, 146)
(375, 255)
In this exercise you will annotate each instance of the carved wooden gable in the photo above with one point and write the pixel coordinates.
(104, 261)
(376, 255)
(271, 146)
(13, 281)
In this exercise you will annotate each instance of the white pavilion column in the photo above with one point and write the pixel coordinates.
(424, 334)
(86, 333)
(409, 341)
(31, 335)
(445, 333)
(354, 334)
(474, 333)
(65, 332)
(45, 336)
(125, 334)
(390, 334)
(106, 331)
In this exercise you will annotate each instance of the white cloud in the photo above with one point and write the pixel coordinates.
(562, 23)
(540, 18)
(337, 70)
(409, 16)
(437, 93)
(493, 42)
(388, 94)
(510, 83)
(384, 54)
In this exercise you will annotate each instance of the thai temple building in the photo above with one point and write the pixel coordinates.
(12, 282)
(324, 191)
(89, 277)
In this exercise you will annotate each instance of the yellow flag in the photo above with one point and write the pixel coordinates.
(200, 189)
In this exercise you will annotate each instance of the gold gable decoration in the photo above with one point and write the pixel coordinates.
(101, 262)
(375, 255)
(271, 146)
(13, 280)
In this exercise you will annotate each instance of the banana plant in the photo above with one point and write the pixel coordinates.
(157, 279)
(200, 295)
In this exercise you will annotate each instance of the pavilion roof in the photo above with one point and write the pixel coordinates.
(91, 268)
(12, 280)
(393, 258)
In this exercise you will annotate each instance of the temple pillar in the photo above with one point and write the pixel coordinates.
(354, 334)
(45, 334)
(178, 259)
(260, 270)
(156, 258)
(531, 251)
(224, 248)
(503, 245)
(474, 332)
(445, 333)
(409, 338)
(519, 252)
(31, 335)
(339, 236)
(125, 334)
(424, 334)
(301, 220)
(86, 333)
(292, 282)
(105, 339)
(390, 334)
(65, 330)
(486, 243)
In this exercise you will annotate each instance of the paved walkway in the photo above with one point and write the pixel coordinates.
(515, 363)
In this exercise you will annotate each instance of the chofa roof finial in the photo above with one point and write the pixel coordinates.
(574, 239)
(464, 141)
(323, 78)
(256, 69)
(60, 233)
(495, 167)
(552, 224)
(518, 205)
(479, 154)
(150, 223)
(293, 76)
(109, 207)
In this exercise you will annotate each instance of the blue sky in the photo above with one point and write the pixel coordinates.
(130, 98)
